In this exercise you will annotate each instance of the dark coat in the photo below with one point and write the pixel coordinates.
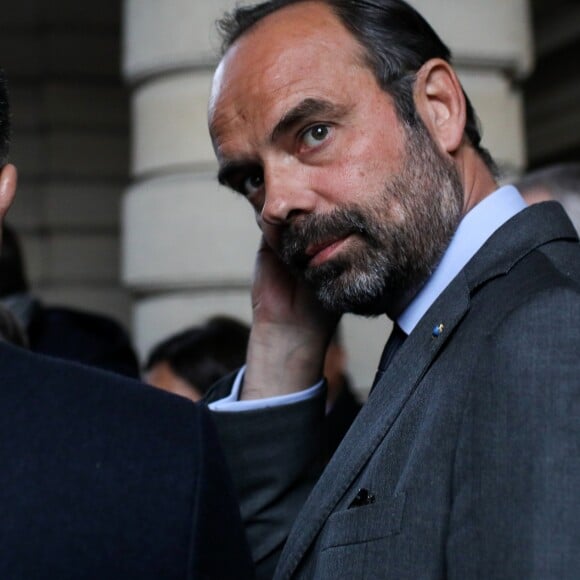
(85, 337)
(102, 477)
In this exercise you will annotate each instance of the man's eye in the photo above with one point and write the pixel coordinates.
(315, 135)
(252, 183)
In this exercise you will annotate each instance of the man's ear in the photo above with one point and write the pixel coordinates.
(8, 180)
(440, 101)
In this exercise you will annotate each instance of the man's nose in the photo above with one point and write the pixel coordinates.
(287, 195)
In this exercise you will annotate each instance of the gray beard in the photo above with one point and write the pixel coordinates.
(396, 243)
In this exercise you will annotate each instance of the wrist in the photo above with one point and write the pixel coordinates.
(282, 360)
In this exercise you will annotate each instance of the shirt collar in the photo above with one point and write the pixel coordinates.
(473, 231)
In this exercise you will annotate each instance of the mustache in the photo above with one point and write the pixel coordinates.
(313, 230)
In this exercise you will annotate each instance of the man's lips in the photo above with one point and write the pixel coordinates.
(319, 253)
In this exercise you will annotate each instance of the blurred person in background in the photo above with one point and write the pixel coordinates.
(68, 333)
(559, 182)
(190, 362)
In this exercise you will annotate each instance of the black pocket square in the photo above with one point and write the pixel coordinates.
(363, 497)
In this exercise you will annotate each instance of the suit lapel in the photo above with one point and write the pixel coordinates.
(528, 230)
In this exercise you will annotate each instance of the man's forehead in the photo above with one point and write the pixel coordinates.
(307, 25)
(294, 49)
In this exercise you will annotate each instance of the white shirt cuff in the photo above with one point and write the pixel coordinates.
(232, 404)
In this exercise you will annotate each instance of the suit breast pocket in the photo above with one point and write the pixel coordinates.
(361, 542)
(365, 523)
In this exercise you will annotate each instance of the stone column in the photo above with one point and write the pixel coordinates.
(188, 245)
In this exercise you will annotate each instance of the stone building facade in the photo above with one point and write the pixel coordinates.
(119, 207)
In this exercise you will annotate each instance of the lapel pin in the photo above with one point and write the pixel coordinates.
(438, 330)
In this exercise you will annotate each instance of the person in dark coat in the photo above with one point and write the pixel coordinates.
(102, 476)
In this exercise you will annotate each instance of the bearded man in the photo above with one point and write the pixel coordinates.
(346, 128)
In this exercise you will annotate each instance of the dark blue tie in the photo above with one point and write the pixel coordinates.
(395, 341)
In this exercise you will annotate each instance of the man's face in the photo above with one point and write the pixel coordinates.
(359, 205)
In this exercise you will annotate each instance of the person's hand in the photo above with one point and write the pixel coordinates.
(290, 331)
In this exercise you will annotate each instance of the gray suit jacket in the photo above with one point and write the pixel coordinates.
(469, 444)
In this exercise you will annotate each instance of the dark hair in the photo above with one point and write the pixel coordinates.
(4, 120)
(12, 271)
(397, 41)
(204, 354)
